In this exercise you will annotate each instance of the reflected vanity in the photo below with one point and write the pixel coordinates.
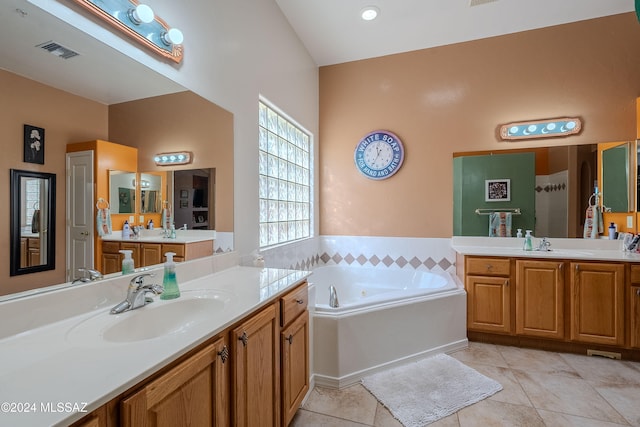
(32, 221)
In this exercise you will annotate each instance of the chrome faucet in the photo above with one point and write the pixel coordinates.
(92, 274)
(333, 297)
(137, 294)
(544, 245)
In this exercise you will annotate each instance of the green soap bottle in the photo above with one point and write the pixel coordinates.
(169, 281)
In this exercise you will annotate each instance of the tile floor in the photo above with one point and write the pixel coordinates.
(539, 389)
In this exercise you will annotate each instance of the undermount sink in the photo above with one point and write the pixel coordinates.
(560, 252)
(156, 319)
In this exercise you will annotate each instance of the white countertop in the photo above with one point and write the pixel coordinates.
(69, 364)
(157, 236)
(561, 248)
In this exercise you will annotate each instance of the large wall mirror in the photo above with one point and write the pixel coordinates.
(549, 186)
(122, 192)
(33, 207)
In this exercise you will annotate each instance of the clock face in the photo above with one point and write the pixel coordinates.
(379, 155)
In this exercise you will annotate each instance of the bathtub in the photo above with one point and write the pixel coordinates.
(386, 317)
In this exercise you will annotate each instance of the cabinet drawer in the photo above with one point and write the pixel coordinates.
(176, 248)
(488, 266)
(635, 274)
(110, 247)
(34, 243)
(294, 303)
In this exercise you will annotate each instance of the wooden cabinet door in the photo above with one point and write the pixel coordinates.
(150, 254)
(634, 312)
(194, 393)
(488, 304)
(256, 370)
(597, 303)
(111, 263)
(294, 341)
(540, 298)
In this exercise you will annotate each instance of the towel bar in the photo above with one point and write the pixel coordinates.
(513, 211)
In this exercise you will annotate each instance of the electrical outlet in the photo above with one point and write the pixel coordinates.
(141, 219)
(629, 221)
(131, 219)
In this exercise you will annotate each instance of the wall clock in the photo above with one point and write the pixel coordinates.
(379, 154)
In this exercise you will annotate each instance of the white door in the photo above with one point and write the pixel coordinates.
(80, 212)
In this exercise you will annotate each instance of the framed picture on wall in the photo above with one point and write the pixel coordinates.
(33, 144)
(184, 204)
(497, 190)
(184, 194)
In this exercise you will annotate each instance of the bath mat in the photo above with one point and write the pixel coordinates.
(422, 392)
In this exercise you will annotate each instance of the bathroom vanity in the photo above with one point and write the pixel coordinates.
(581, 296)
(232, 350)
(150, 249)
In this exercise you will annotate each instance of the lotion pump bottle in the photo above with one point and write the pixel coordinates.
(127, 262)
(528, 241)
(126, 230)
(169, 281)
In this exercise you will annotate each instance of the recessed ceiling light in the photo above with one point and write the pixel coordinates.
(369, 13)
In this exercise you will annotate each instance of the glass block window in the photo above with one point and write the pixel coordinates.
(285, 178)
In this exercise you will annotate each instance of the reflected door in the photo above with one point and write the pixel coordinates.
(79, 212)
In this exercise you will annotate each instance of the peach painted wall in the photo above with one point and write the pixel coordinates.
(181, 121)
(453, 98)
(64, 117)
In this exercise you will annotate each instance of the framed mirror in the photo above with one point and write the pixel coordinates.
(122, 192)
(617, 165)
(33, 207)
(151, 196)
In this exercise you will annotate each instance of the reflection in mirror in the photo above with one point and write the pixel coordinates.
(32, 222)
(556, 188)
(150, 193)
(192, 196)
(616, 191)
(122, 191)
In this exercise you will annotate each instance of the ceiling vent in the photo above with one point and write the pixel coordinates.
(479, 2)
(58, 50)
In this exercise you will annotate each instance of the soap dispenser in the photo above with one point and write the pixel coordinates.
(528, 241)
(127, 262)
(126, 230)
(169, 281)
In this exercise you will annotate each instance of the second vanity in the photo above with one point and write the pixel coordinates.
(581, 296)
(236, 336)
(151, 247)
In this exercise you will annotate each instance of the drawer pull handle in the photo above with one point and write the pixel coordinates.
(244, 338)
(489, 267)
(224, 354)
(290, 339)
(300, 301)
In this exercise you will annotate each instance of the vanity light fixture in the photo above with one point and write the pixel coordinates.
(548, 128)
(139, 22)
(369, 13)
(170, 159)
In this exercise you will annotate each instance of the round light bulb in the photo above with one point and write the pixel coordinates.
(173, 36)
(141, 13)
(369, 13)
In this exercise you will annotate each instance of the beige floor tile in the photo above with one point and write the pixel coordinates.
(486, 354)
(492, 413)
(384, 418)
(603, 370)
(555, 419)
(537, 361)
(305, 418)
(625, 398)
(450, 421)
(353, 403)
(573, 396)
(511, 391)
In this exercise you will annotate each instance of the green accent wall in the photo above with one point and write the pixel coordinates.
(469, 175)
(615, 172)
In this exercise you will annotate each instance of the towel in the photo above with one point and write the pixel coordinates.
(166, 218)
(500, 224)
(103, 222)
(593, 224)
(35, 221)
